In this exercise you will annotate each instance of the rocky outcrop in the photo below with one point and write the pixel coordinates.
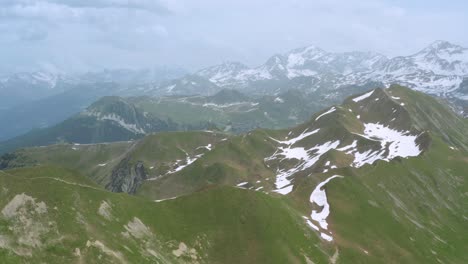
(127, 177)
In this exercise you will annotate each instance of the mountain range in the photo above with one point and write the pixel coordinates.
(115, 118)
(437, 69)
(27, 87)
(43, 99)
(323, 77)
(440, 69)
(379, 178)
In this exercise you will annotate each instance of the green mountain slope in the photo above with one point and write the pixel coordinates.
(114, 118)
(236, 112)
(51, 215)
(107, 120)
(407, 211)
(380, 178)
(233, 111)
(121, 166)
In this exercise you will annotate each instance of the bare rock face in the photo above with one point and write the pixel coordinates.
(127, 177)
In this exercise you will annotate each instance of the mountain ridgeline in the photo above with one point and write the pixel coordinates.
(44, 99)
(437, 69)
(379, 178)
(114, 118)
(109, 119)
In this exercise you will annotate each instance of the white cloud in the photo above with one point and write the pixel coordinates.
(116, 33)
(155, 6)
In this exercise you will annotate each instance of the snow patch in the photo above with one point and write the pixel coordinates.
(362, 97)
(326, 237)
(398, 143)
(326, 113)
(307, 159)
(118, 119)
(298, 138)
(189, 160)
(158, 201)
(279, 100)
(319, 198)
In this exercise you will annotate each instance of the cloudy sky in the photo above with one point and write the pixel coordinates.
(79, 35)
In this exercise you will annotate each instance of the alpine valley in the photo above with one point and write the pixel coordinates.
(311, 157)
(44, 99)
(380, 178)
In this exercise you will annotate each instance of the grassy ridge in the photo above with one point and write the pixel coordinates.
(405, 211)
(222, 225)
(408, 210)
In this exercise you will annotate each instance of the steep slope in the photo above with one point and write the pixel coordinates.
(380, 178)
(394, 163)
(44, 98)
(115, 119)
(121, 166)
(406, 211)
(375, 126)
(302, 62)
(378, 125)
(51, 215)
(109, 119)
(223, 73)
(236, 112)
(438, 69)
(233, 111)
(460, 98)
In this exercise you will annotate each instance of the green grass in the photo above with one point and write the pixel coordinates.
(224, 225)
(230, 162)
(373, 209)
(411, 210)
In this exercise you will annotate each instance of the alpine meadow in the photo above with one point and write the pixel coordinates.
(155, 131)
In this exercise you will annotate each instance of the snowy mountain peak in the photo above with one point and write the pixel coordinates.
(444, 51)
(439, 68)
(275, 65)
(222, 72)
(441, 45)
(43, 79)
(227, 66)
(299, 57)
(46, 77)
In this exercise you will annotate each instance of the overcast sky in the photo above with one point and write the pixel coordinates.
(79, 35)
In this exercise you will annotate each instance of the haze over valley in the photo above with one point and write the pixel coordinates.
(233, 131)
